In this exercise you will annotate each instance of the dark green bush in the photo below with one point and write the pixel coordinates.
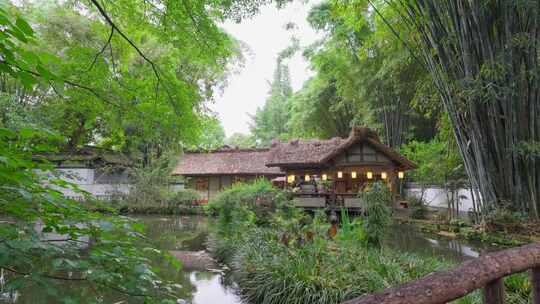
(418, 207)
(248, 203)
(184, 197)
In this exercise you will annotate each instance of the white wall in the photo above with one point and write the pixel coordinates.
(435, 196)
(84, 178)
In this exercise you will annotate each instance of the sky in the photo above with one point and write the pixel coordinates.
(265, 36)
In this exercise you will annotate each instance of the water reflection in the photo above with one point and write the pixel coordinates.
(210, 289)
(203, 287)
(406, 238)
(190, 233)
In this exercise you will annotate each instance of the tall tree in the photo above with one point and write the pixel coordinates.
(483, 57)
(364, 75)
(271, 120)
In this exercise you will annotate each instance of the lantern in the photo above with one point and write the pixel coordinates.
(353, 174)
(340, 174)
(324, 177)
(383, 175)
(401, 174)
(307, 178)
(290, 179)
(369, 175)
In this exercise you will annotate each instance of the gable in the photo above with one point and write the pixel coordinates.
(361, 153)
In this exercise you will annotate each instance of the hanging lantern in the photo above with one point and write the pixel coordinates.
(290, 179)
(383, 175)
(307, 178)
(324, 177)
(369, 175)
(401, 174)
(340, 174)
(353, 174)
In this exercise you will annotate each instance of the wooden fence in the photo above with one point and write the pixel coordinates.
(485, 272)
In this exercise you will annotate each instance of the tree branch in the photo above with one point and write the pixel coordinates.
(48, 276)
(114, 27)
(102, 50)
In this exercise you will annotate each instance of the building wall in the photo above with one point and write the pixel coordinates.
(209, 186)
(85, 179)
(436, 197)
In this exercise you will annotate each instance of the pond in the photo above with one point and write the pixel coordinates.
(190, 232)
(205, 287)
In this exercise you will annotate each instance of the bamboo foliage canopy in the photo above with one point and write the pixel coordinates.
(483, 58)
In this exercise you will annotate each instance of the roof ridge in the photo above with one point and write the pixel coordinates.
(231, 150)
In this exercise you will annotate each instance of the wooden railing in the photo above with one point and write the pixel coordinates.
(485, 272)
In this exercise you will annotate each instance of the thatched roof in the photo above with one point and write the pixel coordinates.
(228, 161)
(318, 152)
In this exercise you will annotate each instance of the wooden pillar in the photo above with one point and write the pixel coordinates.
(494, 292)
(535, 285)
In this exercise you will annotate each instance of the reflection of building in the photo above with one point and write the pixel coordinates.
(318, 170)
(100, 172)
(210, 172)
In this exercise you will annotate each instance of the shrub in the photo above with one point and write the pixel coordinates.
(378, 199)
(184, 197)
(242, 203)
(418, 208)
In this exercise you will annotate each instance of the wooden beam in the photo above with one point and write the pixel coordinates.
(535, 285)
(494, 292)
(449, 285)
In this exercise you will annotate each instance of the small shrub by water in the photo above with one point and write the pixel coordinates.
(418, 207)
(378, 201)
(184, 198)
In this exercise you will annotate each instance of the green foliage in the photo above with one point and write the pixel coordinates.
(271, 121)
(241, 140)
(185, 197)
(45, 236)
(150, 185)
(247, 204)
(105, 92)
(351, 230)
(378, 202)
(438, 160)
(418, 207)
(319, 271)
(288, 258)
(213, 136)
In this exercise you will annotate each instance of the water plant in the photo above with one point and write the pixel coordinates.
(378, 213)
(288, 257)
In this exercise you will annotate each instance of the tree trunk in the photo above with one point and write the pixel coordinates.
(483, 58)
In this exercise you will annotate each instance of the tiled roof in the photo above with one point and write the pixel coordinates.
(226, 161)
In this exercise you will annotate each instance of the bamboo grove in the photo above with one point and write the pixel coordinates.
(483, 57)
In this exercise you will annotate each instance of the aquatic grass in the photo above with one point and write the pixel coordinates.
(319, 272)
(287, 257)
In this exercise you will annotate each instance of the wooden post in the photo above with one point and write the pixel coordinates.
(535, 285)
(494, 292)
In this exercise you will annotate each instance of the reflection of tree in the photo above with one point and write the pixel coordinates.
(407, 239)
(172, 233)
(168, 233)
(203, 275)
